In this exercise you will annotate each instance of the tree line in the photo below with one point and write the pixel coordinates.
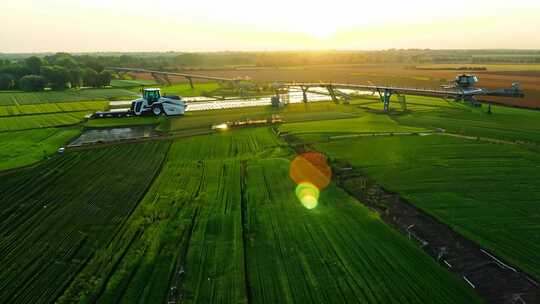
(57, 72)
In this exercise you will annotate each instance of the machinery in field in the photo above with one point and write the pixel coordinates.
(462, 89)
(151, 103)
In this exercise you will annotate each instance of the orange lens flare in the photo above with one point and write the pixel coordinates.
(311, 167)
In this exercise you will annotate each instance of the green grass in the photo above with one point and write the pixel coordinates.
(56, 216)
(119, 83)
(334, 253)
(22, 98)
(26, 122)
(221, 224)
(505, 123)
(487, 192)
(366, 123)
(22, 148)
(44, 108)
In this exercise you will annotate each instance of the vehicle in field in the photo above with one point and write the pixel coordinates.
(151, 103)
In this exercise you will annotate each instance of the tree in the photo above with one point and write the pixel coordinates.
(75, 77)
(104, 78)
(6, 81)
(57, 77)
(32, 83)
(90, 78)
(34, 64)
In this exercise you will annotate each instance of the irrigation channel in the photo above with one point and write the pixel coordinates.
(495, 280)
(94, 136)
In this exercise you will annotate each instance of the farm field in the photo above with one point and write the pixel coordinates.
(182, 89)
(487, 192)
(21, 148)
(293, 112)
(27, 122)
(43, 108)
(235, 232)
(56, 216)
(23, 98)
(120, 83)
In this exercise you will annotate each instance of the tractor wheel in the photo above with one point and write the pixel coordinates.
(157, 110)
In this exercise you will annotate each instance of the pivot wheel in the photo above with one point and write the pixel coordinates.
(157, 110)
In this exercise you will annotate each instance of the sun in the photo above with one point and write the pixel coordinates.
(319, 31)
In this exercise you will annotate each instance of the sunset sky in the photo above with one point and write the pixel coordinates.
(167, 25)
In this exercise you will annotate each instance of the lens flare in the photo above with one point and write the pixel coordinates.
(308, 195)
(311, 167)
(312, 174)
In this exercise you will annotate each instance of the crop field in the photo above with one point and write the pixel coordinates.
(291, 113)
(21, 148)
(24, 98)
(117, 83)
(366, 123)
(56, 216)
(26, 122)
(487, 192)
(235, 232)
(43, 108)
(182, 89)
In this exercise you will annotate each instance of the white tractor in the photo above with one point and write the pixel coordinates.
(153, 102)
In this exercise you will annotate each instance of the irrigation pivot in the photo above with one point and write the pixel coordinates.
(462, 89)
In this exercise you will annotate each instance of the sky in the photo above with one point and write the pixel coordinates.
(203, 25)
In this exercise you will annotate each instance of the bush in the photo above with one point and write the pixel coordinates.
(32, 83)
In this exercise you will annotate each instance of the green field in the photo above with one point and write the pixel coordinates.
(487, 192)
(56, 216)
(22, 98)
(234, 230)
(27, 122)
(43, 108)
(184, 89)
(119, 83)
(23, 148)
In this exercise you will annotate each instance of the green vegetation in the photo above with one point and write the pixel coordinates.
(42, 108)
(185, 90)
(222, 224)
(22, 148)
(365, 123)
(127, 83)
(56, 216)
(487, 192)
(58, 72)
(22, 98)
(26, 122)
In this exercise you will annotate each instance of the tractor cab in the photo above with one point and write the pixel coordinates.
(466, 81)
(151, 95)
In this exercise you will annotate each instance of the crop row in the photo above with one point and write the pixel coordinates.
(487, 192)
(43, 108)
(15, 123)
(22, 98)
(56, 216)
(20, 148)
(221, 224)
